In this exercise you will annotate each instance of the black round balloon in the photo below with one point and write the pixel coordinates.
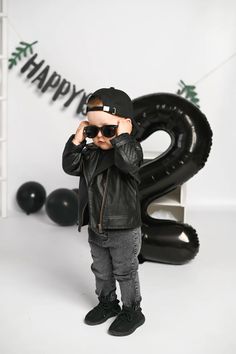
(62, 206)
(31, 196)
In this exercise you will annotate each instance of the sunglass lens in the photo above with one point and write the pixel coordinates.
(108, 131)
(91, 131)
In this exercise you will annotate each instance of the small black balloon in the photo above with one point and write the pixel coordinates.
(62, 206)
(31, 196)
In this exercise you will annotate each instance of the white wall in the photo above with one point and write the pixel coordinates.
(140, 47)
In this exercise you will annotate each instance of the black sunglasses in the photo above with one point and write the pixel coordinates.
(108, 130)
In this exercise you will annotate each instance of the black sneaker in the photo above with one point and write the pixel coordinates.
(127, 321)
(103, 311)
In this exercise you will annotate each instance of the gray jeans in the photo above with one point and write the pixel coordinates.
(115, 257)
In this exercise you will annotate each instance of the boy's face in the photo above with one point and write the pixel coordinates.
(100, 118)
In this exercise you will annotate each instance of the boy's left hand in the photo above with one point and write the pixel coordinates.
(124, 126)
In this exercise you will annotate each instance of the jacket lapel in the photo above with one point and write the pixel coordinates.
(105, 160)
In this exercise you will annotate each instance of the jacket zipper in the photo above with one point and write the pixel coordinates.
(102, 207)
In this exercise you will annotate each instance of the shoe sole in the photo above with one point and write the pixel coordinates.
(102, 320)
(114, 333)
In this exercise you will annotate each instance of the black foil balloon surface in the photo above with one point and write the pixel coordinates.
(31, 196)
(165, 240)
(168, 241)
(62, 206)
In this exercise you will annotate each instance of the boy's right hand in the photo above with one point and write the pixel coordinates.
(79, 135)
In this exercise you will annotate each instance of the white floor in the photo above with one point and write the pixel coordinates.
(47, 287)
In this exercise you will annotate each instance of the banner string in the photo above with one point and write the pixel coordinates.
(13, 28)
(195, 83)
(216, 68)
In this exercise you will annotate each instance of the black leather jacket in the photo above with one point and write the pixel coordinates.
(114, 204)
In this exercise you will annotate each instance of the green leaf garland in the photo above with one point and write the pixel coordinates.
(20, 51)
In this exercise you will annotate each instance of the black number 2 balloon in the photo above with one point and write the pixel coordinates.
(163, 240)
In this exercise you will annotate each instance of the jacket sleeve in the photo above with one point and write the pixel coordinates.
(72, 157)
(128, 154)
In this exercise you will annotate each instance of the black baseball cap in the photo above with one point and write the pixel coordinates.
(115, 102)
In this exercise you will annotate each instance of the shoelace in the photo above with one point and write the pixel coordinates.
(104, 306)
(127, 314)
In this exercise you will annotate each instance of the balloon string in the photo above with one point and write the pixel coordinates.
(216, 68)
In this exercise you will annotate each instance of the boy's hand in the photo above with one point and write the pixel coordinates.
(124, 126)
(79, 136)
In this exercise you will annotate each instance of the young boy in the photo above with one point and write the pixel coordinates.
(109, 178)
